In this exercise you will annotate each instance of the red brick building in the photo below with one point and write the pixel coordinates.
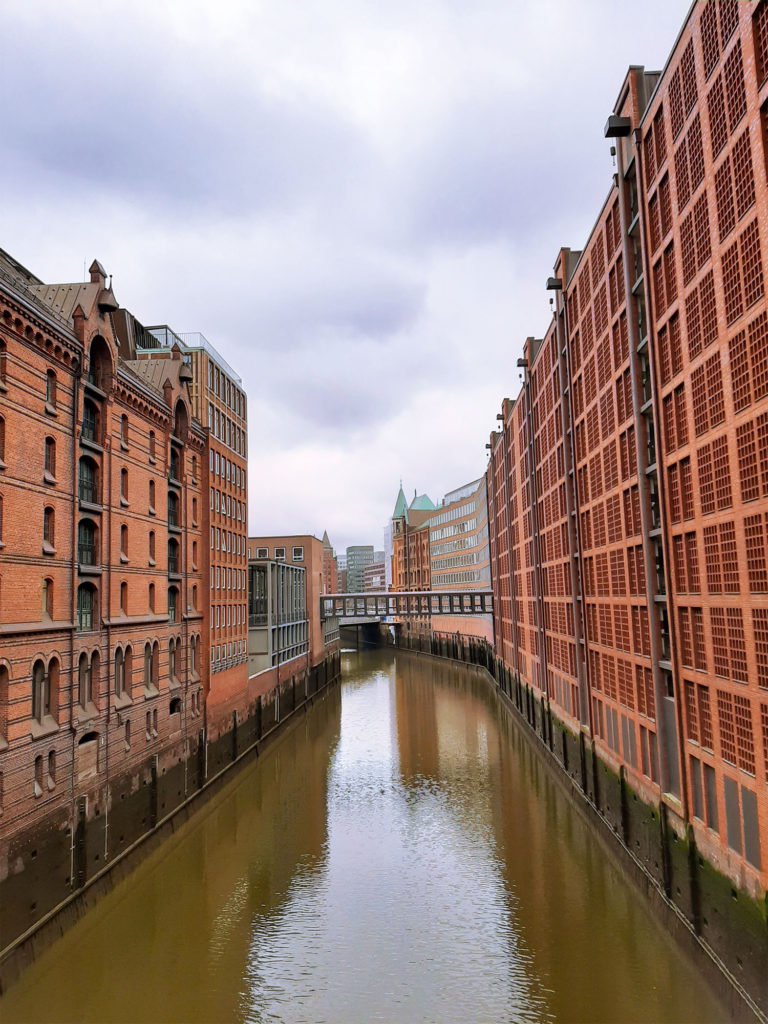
(627, 485)
(107, 560)
(330, 567)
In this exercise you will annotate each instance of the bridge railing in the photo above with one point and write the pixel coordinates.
(396, 604)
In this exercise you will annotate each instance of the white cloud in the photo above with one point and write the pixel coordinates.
(357, 203)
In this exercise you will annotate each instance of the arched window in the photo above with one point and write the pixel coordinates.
(123, 431)
(151, 547)
(124, 541)
(152, 497)
(194, 554)
(194, 511)
(124, 597)
(193, 654)
(83, 681)
(87, 481)
(175, 466)
(151, 446)
(99, 364)
(2, 443)
(86, 543)
(3, 363)
(128, 735)
(49, 537)
(128, 669)
(173, 509)
(155, 664)
(86, 607)
(41, 693)
(194, 597)
(90, 429)
(95, 675)
(173, 604)
(174, 708)
(51, 769)
(194, 467)
(47, 594)
(49, 465)
(119, 673)
(172, 659)
(180, 421)
(174, 561)
(124, 486)
(147, 665)
(151, 597)
(50, 391)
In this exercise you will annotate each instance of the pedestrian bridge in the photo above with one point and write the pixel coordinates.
(399, 604)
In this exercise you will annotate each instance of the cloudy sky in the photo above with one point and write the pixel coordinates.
(357, 202)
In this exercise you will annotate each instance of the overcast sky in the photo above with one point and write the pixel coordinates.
(357, 202)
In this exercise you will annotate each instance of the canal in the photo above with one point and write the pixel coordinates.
(400, 856)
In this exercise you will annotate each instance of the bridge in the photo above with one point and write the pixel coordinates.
(398, 604)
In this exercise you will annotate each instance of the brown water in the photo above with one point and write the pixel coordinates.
(400, 856)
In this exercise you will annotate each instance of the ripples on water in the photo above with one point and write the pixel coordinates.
(408, 916)
(400, 856)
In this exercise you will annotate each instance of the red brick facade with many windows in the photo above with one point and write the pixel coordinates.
(101, 573)
(628, 484)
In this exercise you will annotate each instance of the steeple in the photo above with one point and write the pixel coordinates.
(401, 505)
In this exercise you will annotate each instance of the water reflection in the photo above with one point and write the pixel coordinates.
(400, 856)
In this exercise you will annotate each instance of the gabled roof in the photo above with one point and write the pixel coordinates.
(422, 503)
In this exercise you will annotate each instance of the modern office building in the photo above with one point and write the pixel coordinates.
(627, 484)
(359, 557)
(459, 556)
(219, 404)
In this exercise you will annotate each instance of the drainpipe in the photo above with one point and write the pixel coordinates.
(72, 617)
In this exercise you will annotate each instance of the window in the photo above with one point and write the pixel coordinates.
(123, 543)
(2, 443)
(194, 506)
(47, 598)
(174, 560)
(279, 552)
(84, 693)
(41, 692)
(193, 650)
(50, 392)
(151, 547)
(152, 597)
(124, 598)
(86, 594)
(172, 659)
(194, 554)
(173, 509)
(152, 446)
(123, 486)
(119, 673)
(49, 531)
(89, 430)
(124, 432)
(262, 552)
(151, 497)
(173, 604)
(297, 555)
(86, 543)
(49, 465)
(3, 364)
(87, 486)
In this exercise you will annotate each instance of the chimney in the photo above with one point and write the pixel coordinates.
(98, 274)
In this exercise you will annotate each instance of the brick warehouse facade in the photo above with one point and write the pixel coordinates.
(628, 484)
